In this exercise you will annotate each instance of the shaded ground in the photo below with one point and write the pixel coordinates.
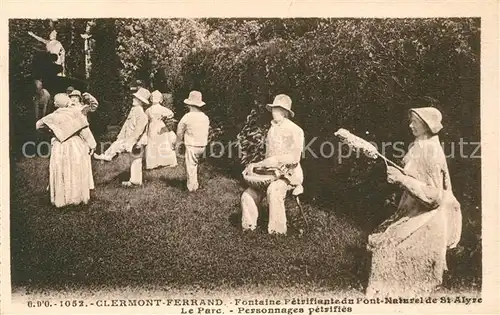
(162, 235)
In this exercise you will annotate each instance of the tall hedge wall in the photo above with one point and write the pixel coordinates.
(363, 75)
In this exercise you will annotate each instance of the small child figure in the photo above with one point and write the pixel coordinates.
(193, 130)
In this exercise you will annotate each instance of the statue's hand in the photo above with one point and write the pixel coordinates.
(249, 168)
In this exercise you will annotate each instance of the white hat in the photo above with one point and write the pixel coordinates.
(156, 97)
(283, 101)
(194, 99)
(431, 116)
(143, 95)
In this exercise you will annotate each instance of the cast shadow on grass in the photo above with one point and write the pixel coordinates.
(174, 182)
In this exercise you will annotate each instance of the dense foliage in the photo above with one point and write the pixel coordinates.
(359, 74)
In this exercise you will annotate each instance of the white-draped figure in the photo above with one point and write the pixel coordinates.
(85, 103)
(70, 179)
(132, 137)
(409, 248)
(160, 149)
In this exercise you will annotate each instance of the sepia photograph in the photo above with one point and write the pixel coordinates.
(306, 165)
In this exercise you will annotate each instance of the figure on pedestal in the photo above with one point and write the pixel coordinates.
(54, 47)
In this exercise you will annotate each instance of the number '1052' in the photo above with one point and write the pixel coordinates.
(73, 303)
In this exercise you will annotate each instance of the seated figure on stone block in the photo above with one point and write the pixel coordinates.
(284, 146)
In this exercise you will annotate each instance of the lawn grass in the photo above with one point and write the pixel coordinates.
(161, 235)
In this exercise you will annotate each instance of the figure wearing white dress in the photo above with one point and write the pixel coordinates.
(284, 146)
(85, 103)
(159, 150)
(72, 143)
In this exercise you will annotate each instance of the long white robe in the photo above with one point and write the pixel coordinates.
(70, 172)
(159, 150)
(409, 248)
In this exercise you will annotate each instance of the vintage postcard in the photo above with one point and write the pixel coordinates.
(265, 157)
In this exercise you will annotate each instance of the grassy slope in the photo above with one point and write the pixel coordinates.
(162, 235)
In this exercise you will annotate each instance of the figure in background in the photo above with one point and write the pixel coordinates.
(41, 100)
(135, 86)
(131, 138)
(284, 146)
(409, 248)
(54, 47)
(171, 124)
(72, 143)
(69, 90)
(85, 101)
(158, 77)
(159, 151)
(192, 130)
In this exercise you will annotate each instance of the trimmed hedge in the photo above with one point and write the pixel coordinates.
(362, 75)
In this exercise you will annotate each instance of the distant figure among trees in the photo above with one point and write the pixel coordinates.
(41, 100)
(54, 47)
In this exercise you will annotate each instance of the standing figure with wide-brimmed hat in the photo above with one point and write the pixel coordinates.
(132, 137)
(409, 248)
(284, 146)
(192, 130)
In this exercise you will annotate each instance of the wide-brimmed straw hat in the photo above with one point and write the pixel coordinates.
(194, 99)
(75, 93)
(156, 97)
(430, 116)
(284, 101)
(142, 95)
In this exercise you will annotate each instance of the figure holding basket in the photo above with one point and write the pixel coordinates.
(278, 173)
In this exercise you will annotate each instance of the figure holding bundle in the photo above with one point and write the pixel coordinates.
(409, 248)
(281, 169)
